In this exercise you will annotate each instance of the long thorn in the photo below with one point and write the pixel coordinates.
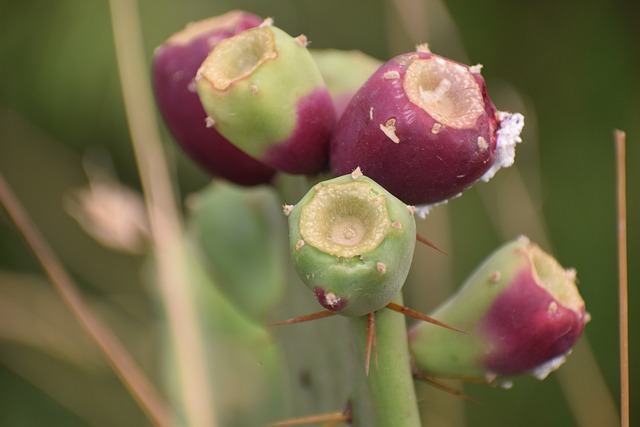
(441, 386)
(417, 315)
(333, 417)
(371, 337)
(375, 348)
(337, 421)
(112, 349)
(622, 275)
(305, 318)
(429, 243)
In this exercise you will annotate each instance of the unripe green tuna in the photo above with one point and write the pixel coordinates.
(352, 243)
(344, 71)
(264, 93)
(523, 313)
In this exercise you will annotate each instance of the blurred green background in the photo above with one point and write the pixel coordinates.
(571, 67)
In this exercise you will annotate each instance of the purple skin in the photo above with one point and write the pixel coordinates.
(300, 154)
(321, 297)
(425, 166)
(341, 101)
(528, 328)
(174, 66)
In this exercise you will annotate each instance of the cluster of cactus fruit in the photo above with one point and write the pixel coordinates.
(247, 102)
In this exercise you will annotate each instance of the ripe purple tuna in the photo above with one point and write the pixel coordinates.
(422, 126)
(175, 64)
(523, 313)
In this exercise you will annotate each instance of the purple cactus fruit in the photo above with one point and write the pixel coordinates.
(264, 93)
(522, 310)
(424, 128)
(175, 64)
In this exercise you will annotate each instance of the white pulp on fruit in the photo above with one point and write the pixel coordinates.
(543, 371)
(423, 210)
(511, 125)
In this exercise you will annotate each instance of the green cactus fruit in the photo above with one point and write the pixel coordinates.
(344, 71)
(352, 243)
(522, 310)
(263, 92)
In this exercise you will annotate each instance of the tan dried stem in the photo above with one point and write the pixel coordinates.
(164, 219)
(620, 140)
(113, 350)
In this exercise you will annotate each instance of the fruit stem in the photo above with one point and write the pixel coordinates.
(386, 397)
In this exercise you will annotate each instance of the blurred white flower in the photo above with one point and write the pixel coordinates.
(111, 213)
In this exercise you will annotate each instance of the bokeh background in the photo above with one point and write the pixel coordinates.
(571, 67)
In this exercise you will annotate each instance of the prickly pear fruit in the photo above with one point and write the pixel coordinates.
(175, 64)
(424, 128)
(523, 313)
(352, 243)
(263, 91)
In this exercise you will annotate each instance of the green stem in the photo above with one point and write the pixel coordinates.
(386, 397)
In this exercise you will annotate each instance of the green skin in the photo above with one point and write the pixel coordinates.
(260, 109)
(357, 279)
(455, 354)
(444, 353)
(344, 71)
